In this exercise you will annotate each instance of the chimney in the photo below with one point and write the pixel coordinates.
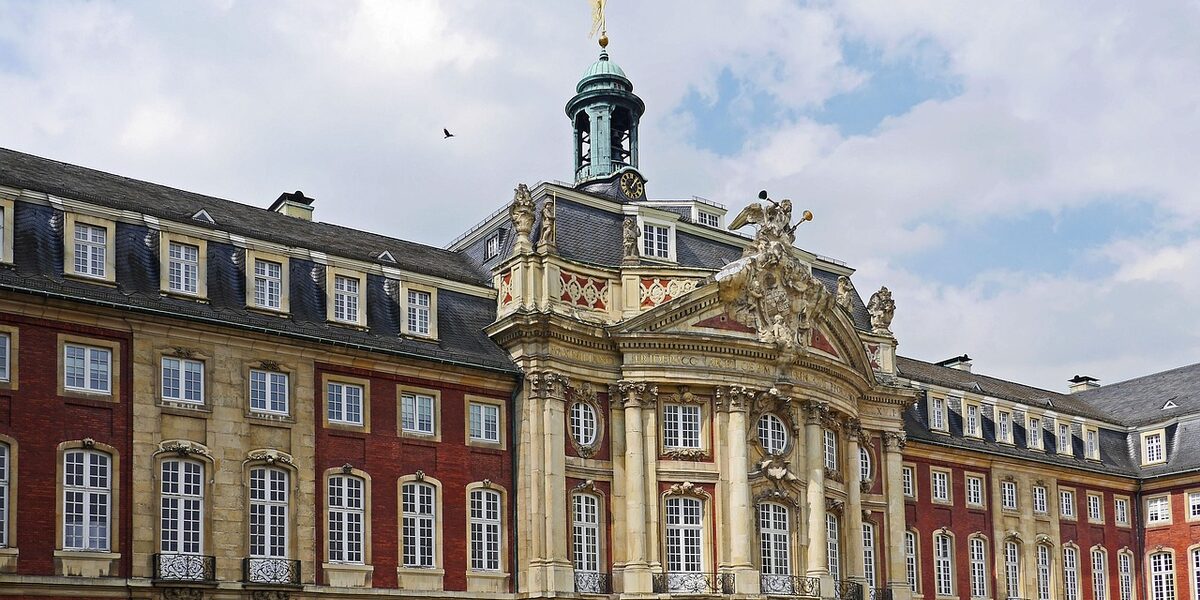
(962, 363)
(294, 205)
(1081, 383)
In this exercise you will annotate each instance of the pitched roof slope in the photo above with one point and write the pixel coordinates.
(27, 171)
(1140, 401)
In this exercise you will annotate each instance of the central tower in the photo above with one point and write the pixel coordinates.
(604, 113)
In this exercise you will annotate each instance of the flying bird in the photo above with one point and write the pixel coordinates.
(446, 132)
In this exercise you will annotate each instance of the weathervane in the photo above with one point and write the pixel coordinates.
(598, 23)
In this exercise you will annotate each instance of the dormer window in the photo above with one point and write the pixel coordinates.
(1153, 450)
(707, 218)
(419, 310)
(183, 265)
(346, 302)
(658, 239)
(1004, 427)
(492, 248)
(89, 244)
(1064, 438)
(1033, 433)
(1092, 443)
(937, 414)
(266, 281)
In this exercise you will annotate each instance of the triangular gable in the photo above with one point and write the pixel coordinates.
(202, 215)
(386, 256)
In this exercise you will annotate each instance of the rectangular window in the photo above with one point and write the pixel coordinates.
(868, 537)
(1064, 438)
(183, 268)
(1121, 511)
(910, 561)
(1125, 575)
(87, 369)
(1153, 447)
(87, 500)
(1092, 442)
(345, 299)
(5, 348)
(1095, 510)
(943, 564)
(937, 413)
(91, 248)
(833, 548)
(709, 219)
(1070, 574)
(268, 284)
(1008, 495)
(485, 530)
(419, 517)
(346, 518)
(831, 450)
(1043, 572)
(1033, 436)
(345, 403)
(1040, 505)
(492, 247)
(418, 312)
(1099, 575)
(972, 422)
(182, 380)
(268, 515)
(585, 522)
(181, 510)
(1012, 569)
(681, 426)
(1158, 510)
(416, 414)
(940, 486)
(268, 392)
(1004, 427)
(1193, 505)
(656, 241)
(974, 491)
(906, 482)
(485, 422)
(979, 568)
(1066, 504)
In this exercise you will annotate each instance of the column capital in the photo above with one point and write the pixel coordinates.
(894, 441)
(636, 394)
(817, 412)
(734, 398)
(853, 428)
(550, 384)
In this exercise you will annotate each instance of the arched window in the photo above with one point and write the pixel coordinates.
(684, 524)
(5, 467)
(485, 530)
(1162, 576)
(346, 516)
(772, 434)
(583, 423)
(585, 512)
(864, 464)
(268, 512)
(417, 505)
(182, 506)
(1070, 573)
(87, 500)
(833, 554)
(910, 561)
(977, 553)
(1012, 569)
(1099, 574)
(1043, 572)
(1125, 574)
(1196, 573)
(943, 564)
(774, 541)
(868, 535)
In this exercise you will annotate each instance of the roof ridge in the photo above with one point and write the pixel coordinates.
(1137, 379)
(991, 377)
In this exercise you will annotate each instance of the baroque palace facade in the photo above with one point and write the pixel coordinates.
(590, 393)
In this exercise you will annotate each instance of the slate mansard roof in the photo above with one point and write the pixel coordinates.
(38, 266)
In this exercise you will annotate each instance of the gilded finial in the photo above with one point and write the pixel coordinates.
(603, 40)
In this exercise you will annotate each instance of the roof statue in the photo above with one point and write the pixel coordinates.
(547, 239)
(629, 239)
(521, 212)
(769, 289)
(882, 309)
(845, 293)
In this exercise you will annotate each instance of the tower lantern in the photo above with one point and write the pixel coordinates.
(604, 113)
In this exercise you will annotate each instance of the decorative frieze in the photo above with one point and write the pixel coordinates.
(583, 291)
(688, 488)
(506, 289)
(183, 448)
(269, 456)
(657, 290)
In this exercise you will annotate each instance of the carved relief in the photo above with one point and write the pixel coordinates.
(882, 309)
(845, 293)
(874, 356)
(182, 594)
(548, 384)
(734, 397)
(687, 488)
(583, 291)
(636, 393)
(834, 505)
(506, 289)
(656, 290)
(183, 448)
(269, 456)
(777, 469)
(894, 441)
(770, 289)
(816, 412)
(834, 475)
(684, 395)
(685, 453)
(584, 394)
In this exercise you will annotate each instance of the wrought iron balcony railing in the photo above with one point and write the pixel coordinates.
(587, 582)
(879, 593)
(790, 585)
(184, 567)
(847, 590)
(693, 583)
(271, 571)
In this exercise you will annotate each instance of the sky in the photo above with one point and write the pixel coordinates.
(1024, 176)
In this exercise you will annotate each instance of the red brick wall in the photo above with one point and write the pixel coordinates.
(1178, 537)
(927, 516)
(386, 457)
(39, 420)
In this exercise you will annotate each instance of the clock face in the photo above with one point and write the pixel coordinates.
(632, 185)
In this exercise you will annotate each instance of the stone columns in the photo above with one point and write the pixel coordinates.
(893, 444)
(740, 513)
(815, 462)
(637, 570)
(855, 567)
(557, 566)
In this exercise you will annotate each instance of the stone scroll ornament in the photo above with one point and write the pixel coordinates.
(769, 289)
(882, 308)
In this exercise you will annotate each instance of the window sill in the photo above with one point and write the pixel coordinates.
(487, 581)
(184, 409)
(420, 579)
(482, 445)
(347, 324)
(197, 298)
(105, 281)
(271, 419)
(83, 563)
(8, 560)
(274, 312)
(347, 575)
(86, 399)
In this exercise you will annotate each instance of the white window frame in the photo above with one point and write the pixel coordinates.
(1065, 442)
(943, 564)
(1008, 495)
(344, 402)
(94, 381)
(1193, 504)
(682, 426)
(268, 286)
(347, 299)
(977, 558)
(971, 420)
(270, 513)
(182, 380)
(87, 494)
(413, 412)
(774, 540)
(1162, 575)
(418, 508)
(652, 247)
(833, 547)
(5, 352)
(585, 533)
(830, 449)
(1033, 432)
(1041, 502)
(1121, 511)
(1099, 574)
(419, 312)
(1012, 569)
(684, 519)
(1158, 510)
(937, 414)
(1091, 443)
(1066, 504)
(485, 523)
(181, 507)
(484, 422)
(491, 247)
(908, 485)
(269, 402)
(912, 569)
(864, 464)
(1156, 452)
(1095, 508)
(772, 434)
(710, 219)
(868, 540)
(1043, 572)
(183, 268)
(1125, 575)
(974, 485)
(5, 491)
(90, 250)
(585, 425)
(1070, 573)
(939, 486)
(344, 533)
(1004, 427)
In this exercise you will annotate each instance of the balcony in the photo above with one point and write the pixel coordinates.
(879, 593)
(587, 582)
(271, 571)
(693, 583)
(790, 585)
(196, 568)
(847, 590)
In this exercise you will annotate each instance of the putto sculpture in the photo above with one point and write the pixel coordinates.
(882, 309)
(769, 289)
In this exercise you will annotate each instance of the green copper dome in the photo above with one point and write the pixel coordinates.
(602, 69)
(604, 114)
